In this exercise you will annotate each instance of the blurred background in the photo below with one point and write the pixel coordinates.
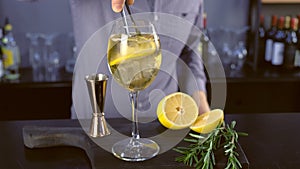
(45, 26)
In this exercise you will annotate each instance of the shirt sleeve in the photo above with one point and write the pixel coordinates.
(191, 57)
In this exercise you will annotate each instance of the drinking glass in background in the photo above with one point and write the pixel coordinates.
(231, 45)
(239, 55)
(52, 58)
(70, 63)
(36, 56)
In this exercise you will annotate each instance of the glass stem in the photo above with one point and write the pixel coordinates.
(134, 99)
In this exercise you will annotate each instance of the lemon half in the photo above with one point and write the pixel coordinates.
(177, 111)
(208, 121)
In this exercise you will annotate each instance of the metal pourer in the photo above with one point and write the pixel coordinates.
(96, 84)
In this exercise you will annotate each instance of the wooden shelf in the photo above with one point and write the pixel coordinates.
(280, 1)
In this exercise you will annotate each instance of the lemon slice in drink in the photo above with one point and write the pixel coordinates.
(208, 121)
(177, 111)
(133, 47)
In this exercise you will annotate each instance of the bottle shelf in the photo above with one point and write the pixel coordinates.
(279, 1)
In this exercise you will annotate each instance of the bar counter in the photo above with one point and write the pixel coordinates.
(248, 91)
(273, 142)
(27, 98)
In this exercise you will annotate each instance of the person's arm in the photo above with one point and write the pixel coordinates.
(202, 102)
(195, 63)
(117, 5)
(201, 96)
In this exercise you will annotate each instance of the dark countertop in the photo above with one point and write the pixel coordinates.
(273, 142)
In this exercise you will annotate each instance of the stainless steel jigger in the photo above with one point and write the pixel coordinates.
(96, 84)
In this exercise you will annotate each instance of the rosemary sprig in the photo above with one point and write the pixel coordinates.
(200, 152)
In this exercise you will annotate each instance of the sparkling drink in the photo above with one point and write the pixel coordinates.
(134, 60)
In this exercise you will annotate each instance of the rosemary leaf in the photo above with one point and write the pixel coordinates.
(198, 136)
(190, 140)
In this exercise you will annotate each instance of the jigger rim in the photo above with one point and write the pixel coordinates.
(96, 77)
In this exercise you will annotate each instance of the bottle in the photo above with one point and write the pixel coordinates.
(291, 45)
(269, 39)
(287, 24)
(11, 53)
(297, 55)
(278, 44)
(1, 55)
(261, 43)
(298, 31)
(204, 40)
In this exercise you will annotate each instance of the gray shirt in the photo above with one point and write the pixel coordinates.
(179, 52)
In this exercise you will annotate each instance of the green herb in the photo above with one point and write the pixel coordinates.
(200, 152)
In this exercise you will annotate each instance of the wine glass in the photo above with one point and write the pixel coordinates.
(134, 59)
(52, 57)
(36, 58)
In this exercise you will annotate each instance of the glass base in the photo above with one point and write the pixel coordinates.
(131, 149)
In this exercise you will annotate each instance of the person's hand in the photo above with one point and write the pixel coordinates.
(201, 100)
(117, 5)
